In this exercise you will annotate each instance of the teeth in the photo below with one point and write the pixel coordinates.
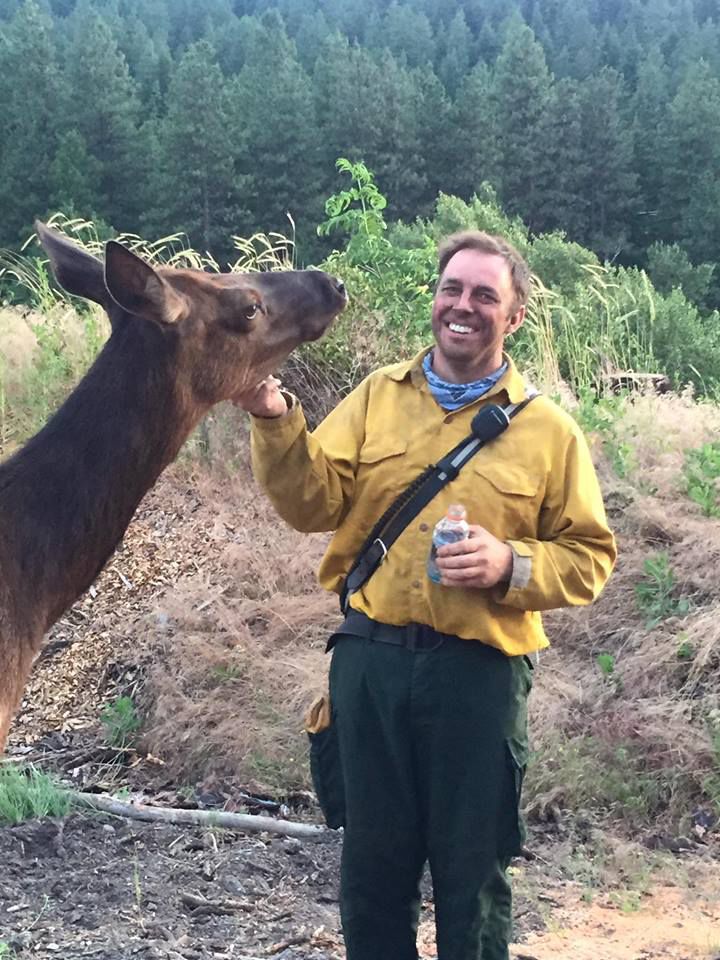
(457, 328)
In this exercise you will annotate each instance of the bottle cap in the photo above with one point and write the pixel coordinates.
(456, 511)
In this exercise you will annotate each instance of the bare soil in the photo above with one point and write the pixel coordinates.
(91, 886)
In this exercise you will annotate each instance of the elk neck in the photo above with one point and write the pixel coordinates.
(68, 496)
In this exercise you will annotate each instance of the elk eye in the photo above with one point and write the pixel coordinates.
(250, 311)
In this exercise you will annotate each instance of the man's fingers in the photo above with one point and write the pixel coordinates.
(459, 561)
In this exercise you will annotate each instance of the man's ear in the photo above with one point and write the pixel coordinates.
(516, 320)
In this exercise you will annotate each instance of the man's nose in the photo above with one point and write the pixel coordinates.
(464, 302)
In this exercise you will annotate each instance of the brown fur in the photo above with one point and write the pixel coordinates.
(181, 341)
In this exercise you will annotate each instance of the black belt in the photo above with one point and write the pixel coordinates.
(414, 636)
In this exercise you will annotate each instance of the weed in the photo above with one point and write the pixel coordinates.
(226, 674)
(685, 649)
(600, 415)
(121, 721)
(702, 472)
(29, 794)
(606, 662)
(6, 951)
(656, 596)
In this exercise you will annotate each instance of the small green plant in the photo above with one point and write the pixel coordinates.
(685, 649)
(28, 794)
(606, 662)
(226, 674)
(702, 472)
(121, 721)
(655, 596)
(601, 415)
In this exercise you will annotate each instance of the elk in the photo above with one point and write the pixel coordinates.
(181, 341)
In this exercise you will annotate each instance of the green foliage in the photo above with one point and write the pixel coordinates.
(601, 415)
(392, 280)
(669, 267)
(121, 722)
(28, 794)
(606, 663)
(712, 781)
(701, 471)
(590, 772)
(656, 597)
(685, 650)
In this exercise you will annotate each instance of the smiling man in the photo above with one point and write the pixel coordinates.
(429, 682)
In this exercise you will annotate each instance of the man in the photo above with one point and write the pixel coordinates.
(431, 720)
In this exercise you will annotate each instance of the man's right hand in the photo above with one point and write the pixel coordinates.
(265, 399)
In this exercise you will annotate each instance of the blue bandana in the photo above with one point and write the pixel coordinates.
(452, 396)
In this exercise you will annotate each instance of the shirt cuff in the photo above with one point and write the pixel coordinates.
(521, 570)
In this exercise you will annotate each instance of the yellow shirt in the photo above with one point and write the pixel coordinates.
(534, 487)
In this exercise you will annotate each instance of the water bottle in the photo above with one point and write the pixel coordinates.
(450, 529)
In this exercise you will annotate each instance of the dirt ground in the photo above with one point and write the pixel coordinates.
(92, 886)
(98, 887)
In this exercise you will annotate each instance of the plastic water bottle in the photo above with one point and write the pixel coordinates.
(450, 529)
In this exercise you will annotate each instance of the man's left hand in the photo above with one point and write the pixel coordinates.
(479, 561)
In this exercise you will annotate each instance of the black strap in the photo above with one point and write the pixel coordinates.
(487, 424)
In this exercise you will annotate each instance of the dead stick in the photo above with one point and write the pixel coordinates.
(206, 818)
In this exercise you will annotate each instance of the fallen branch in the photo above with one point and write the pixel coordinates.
(204, 818)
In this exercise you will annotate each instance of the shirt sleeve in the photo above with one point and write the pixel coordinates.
(571, 559)
(310, 477)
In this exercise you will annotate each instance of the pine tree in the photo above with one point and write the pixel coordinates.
(30, 113)
(693, 158)
(649, 109)
(564, 165)
(275, 107)
(521, 99)
(474, 154)
(195, 185)
(109, 120)
(408, 35)
(457, 57)
(610, 186)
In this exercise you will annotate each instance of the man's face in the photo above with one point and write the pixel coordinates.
(473, 311)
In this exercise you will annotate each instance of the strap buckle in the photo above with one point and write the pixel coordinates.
(383, 548)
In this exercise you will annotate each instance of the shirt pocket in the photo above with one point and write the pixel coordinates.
(508, 500)
(383, 470)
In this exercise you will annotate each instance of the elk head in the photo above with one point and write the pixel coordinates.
(230, 330)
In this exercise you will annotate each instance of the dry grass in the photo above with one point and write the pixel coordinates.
(230, 668)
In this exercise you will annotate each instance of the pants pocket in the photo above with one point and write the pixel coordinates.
(514, 833)
(326, 772)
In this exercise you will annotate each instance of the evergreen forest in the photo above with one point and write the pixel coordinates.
(597, 118)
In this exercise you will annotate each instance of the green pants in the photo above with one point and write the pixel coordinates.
(433, 746)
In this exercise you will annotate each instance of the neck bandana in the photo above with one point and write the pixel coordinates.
(452, 396)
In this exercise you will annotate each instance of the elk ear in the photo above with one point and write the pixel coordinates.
(75, 270)
(137, 288)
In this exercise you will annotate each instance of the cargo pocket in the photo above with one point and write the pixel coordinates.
(514, 833)
(325, 765)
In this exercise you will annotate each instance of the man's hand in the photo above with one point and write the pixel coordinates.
(263, 400)
(480, 561)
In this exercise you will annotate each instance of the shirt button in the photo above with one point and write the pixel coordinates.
(416, 584)
(424, 528)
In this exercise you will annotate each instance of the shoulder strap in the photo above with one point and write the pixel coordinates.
(486, 425)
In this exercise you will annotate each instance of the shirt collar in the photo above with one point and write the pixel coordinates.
(511, 382)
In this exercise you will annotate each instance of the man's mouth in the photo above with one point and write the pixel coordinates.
(459, 328)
